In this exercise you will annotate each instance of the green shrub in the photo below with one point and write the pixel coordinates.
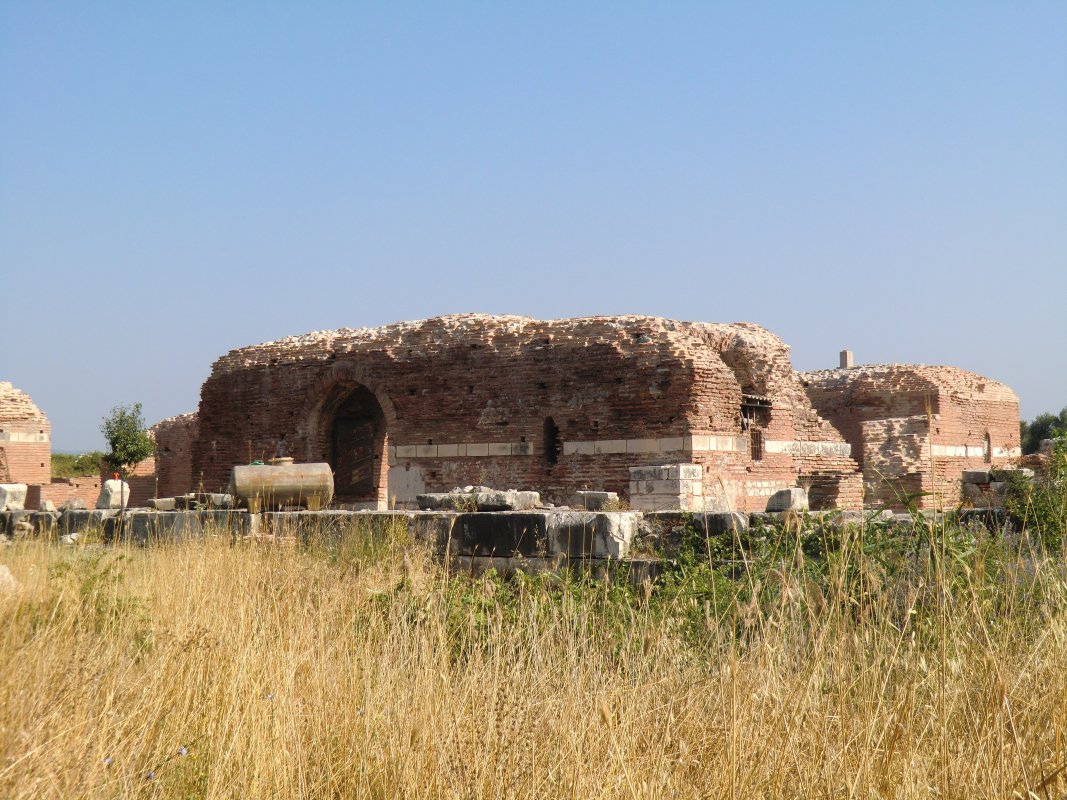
(1041, 504)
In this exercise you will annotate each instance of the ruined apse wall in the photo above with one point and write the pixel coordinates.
(174, 438)
(510, 401)
(25, 439)
(916, 428)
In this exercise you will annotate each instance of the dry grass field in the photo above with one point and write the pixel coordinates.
(928, 665)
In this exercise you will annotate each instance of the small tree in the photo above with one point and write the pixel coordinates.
(1044, 426)
(128, 442)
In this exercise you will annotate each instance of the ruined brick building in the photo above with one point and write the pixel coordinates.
(26, 453)
(558, 406)
(25, 439)
(554, 406)
(914, 428)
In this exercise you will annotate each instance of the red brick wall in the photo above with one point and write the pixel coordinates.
(910, 426)
(475, 379)
(60, 490)
(174, 454)
(27, 462)
(25, 439)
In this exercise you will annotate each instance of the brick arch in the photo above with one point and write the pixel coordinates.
(324, 392)
(326, 398)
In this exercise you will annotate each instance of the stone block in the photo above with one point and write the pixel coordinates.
(670, 444)
(114, 493)
(406, 451)
(47, 505)
(591, 534)
(500, 534)
(45, 523)
(214, 499)
(795, 499)
(447, 450)
(483, 499)
(499, 449)
(696, 443)
(975, 476)
(436, 501)
(1005, 473)
(12, 496)
(540, 534)
(162, 504)
(607, 446)
(74, 504)
(511, 500)
(480, 449)
(594, 501)
(642, 445)
(689, 472)
(659, 502)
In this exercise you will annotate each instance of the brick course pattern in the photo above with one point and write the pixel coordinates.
(916, 428)
(174, 454)
(554, 406)
(25, 439)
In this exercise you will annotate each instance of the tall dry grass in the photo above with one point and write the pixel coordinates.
(215, 671)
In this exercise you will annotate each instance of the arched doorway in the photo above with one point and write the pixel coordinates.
(357, 448)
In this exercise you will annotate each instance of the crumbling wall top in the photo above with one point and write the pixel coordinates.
(751, 352)
(950, 381)
(16, 406)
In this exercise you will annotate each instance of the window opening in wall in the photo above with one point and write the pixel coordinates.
(551, 440)
(755, 416)
(756, 444)
(755, 410)
(987, 449)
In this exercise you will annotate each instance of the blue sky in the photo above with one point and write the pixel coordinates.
(180, 179)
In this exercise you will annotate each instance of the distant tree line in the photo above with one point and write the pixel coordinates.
(1044, 426)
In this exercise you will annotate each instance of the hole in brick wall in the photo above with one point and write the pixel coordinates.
(429, 441)
(470, 389)
(596, 424)
(522, 438)
(542, 385)
(412, 390)
(551, 441)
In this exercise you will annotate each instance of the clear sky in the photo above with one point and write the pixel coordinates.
(179, 179)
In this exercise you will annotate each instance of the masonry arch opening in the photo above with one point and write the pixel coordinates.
(357, 447)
